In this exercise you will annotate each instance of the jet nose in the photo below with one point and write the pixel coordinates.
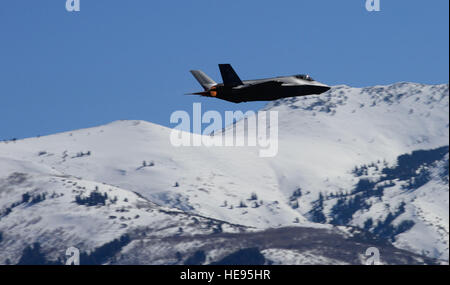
(323, 88)
(320, 87)
(326, 88)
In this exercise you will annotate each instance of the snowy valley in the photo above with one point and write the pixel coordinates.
(356, 168)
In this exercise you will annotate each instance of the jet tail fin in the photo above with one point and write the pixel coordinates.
(205, 81)
(229, 76)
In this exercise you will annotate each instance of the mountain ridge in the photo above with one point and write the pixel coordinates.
(322, 140)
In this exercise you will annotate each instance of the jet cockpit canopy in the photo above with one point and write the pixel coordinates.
(304, 77)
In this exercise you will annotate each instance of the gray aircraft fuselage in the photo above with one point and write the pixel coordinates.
(234, 90)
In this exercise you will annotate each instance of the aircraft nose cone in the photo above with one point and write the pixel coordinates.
(323, 88)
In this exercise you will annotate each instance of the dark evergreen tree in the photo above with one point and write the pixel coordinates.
(196, 259)
(316, 213)
(32, 255)
(26, 197)
(94, 199)
(105, 252)
(247, 256)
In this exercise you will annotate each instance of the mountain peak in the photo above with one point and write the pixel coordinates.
(335, 151)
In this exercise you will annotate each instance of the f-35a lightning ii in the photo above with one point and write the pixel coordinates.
(235, 90)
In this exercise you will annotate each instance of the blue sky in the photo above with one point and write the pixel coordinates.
(130, 59)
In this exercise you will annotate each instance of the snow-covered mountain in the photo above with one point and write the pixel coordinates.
(366, 166)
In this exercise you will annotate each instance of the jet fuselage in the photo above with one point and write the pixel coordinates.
(267, 89)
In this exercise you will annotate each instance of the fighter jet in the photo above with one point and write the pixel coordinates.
(235, 90)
